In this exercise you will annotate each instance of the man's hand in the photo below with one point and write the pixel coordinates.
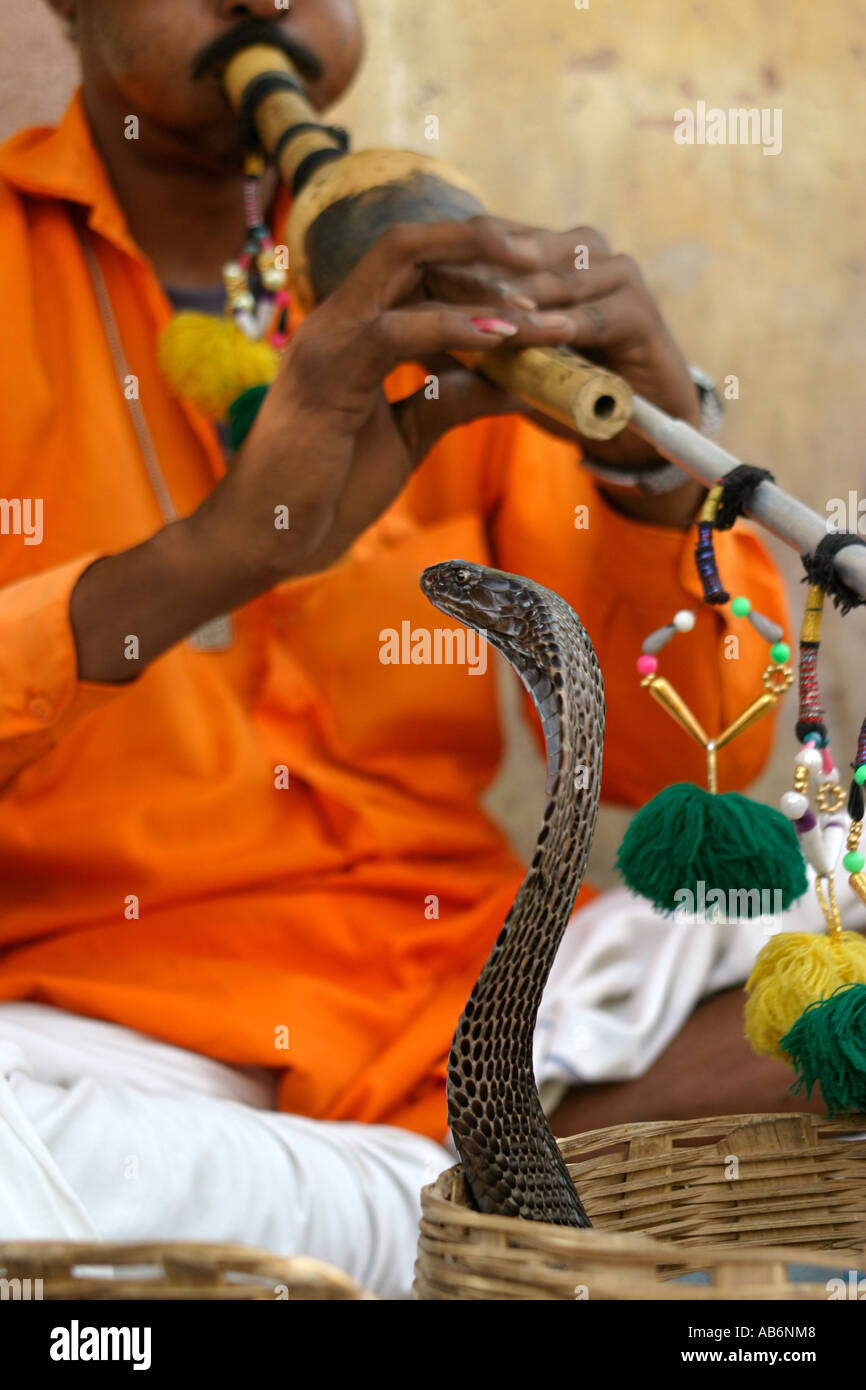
(329, 448)
(327, 444)
(614, 319)
(611, 313)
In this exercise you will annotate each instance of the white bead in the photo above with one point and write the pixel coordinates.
(810, 758)
(794, 805)
(684, 620)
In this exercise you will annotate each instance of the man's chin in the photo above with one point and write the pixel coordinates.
(212, 148)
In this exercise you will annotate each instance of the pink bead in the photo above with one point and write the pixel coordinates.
(827, 763)
(647, 664)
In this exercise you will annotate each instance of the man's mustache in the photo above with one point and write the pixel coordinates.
(216, 54)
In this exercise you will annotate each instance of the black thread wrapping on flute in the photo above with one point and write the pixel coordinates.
(861, 746)
(740, 484)
(336, 132)
(308, 167)
(254, 94)
(821, 569)
(705, 563)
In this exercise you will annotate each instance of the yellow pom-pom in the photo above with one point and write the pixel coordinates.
(792, 971)
(210, 362)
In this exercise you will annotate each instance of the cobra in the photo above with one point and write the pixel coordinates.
(511, 1161)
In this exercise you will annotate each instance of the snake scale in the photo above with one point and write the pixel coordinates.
(511, 1161)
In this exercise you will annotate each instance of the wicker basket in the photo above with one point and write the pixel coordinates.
(179, 1270)
(733, 1202)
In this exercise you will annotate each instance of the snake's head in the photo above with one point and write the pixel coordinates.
(482, 598)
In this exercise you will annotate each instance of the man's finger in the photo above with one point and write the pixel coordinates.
(392, 269)
(612, 323)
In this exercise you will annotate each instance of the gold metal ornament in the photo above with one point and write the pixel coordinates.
(777, 679)
(674, 705)
(830, 796)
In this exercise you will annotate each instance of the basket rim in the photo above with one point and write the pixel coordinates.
(438, 1204)
(54, 1260)
(709, 1124)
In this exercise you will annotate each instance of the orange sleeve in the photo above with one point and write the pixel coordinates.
(40, 693)
(625, 578)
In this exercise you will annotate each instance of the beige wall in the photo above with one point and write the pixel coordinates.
(565, 116)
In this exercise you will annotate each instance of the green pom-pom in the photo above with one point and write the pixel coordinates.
(687, 841)
(242, 413)
(740, 606)
(827, 1046)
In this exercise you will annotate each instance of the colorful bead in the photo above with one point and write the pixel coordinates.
(658, 639)
(646, 665)
(860, 775)
(794, 805)
(779, 652)
(770, 631)
(273, 279)
(684, 620)
(741, 607)
(853, 861)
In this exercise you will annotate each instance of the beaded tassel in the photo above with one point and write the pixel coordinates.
(821, 837)
(685, 836)
(224, 365)
(807, 991)
(824, 1035)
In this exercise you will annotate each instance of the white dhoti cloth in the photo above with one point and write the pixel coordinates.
(105, 1133)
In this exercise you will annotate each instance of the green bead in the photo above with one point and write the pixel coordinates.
(853, 861)
(860, 774)
(779, 652)
(740, 607)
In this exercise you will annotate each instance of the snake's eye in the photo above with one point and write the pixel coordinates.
(462, 576)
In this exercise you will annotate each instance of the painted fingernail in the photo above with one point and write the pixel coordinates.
(549, 320)
(501, 326)
(520, 301)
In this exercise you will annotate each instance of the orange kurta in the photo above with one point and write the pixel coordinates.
(263, 908)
